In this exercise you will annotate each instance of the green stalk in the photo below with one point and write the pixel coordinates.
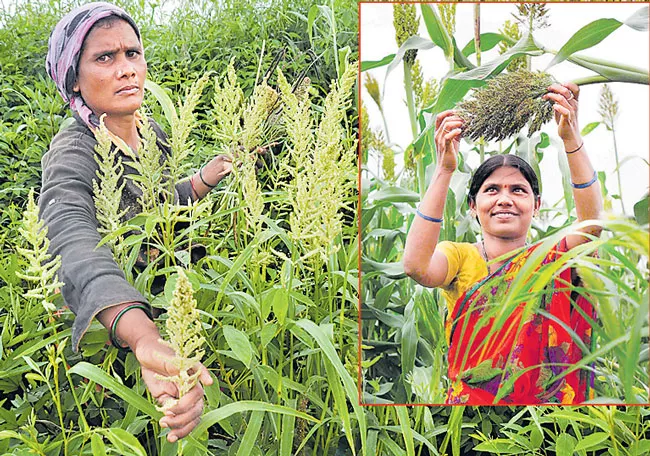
(334, 43)
(618, 169)
(477, 47)
(410, 104)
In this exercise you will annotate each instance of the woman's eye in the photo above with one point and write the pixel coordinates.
(520, 190)
(103, 58)
(132, 53)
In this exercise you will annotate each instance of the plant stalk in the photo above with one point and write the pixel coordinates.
(410, 104)
(618, 169)
(477, 47)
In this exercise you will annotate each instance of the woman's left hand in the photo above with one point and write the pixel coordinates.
(565, 99)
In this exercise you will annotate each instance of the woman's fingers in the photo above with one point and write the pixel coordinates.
(442, 116)
(204, 377)
(184, 415)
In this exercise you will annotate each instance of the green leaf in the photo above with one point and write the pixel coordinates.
(97, 445)
(437, 31)
(280, 304)
(641, 210)
(439, 35)
(565, 444)
(214, 416)
(349, 384)
(287, 432)
(391, 270)
(164, 100)
(370, 64)
(100, 377)
(488, 41)
(452, 91)
(395, 195)
(413, 42)
(251, 434)
(525, 46)
(239, 344)
(611, 71)
(315, 12)
(499, 446)
(589, 128)
(588, 36)
(126, 443)
(409, 339)
(591, 441)
(405, 425)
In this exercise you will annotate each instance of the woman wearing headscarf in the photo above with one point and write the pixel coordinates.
(96, 60)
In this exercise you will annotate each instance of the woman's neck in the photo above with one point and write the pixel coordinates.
(126, 128)
(494, 246)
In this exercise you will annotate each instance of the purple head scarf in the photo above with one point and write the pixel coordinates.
(64, 50)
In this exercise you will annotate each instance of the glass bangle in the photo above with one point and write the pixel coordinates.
(117, 318)
(203, 180)
(586, 184)
(427, 218)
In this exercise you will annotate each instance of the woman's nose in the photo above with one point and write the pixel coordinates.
(125, 69)
(504, 199)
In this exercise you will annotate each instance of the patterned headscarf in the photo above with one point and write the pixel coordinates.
(64, 50)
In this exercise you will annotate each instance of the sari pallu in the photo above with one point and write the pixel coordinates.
(525, 360)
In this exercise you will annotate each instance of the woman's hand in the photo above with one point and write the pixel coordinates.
(565, 99)
(447, 137)
(186, 414)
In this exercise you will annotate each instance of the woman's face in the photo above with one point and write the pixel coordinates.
(112, 70)
(505, 204)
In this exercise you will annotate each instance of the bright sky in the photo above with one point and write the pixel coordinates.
(624, 45)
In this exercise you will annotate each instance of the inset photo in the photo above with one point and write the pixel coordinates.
(504, 204)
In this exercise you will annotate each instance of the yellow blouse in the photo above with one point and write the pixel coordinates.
(465, 268)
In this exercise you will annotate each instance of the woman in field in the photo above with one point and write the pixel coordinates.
(97, 62)
(524, 360)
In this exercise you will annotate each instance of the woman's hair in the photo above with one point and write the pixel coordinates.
(492, 164)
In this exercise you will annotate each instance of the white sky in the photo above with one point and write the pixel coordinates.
(625, 45)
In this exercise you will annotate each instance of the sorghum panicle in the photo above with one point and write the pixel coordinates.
(506, 104)
(607, 107)
(406, 23)
(184, 337)
(107, 189)
(42, 268)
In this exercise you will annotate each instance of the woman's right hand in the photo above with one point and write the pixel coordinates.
(447, 138)
(183, 417)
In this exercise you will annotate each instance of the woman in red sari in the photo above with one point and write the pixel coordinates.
(520, 354)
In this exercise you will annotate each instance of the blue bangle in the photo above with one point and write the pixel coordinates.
(586, 184)
(427, 218)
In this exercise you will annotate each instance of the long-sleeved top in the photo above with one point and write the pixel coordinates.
(93, 280)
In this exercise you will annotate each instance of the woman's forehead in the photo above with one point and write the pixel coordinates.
(506, 175)
(113, 35)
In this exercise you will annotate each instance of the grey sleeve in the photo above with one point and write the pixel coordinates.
(93, 281)
(184, 189)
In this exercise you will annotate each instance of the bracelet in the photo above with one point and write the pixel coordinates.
(193, 188)
(116, 319)
(574, 151)
(203, 180)
(586, 184)
(427, 218)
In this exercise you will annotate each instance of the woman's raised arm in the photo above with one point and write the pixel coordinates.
(420, 260)
(584, 180)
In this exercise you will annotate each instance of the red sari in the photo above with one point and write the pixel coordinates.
(523, 362)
